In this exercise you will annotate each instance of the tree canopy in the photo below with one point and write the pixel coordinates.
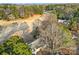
(15, 46)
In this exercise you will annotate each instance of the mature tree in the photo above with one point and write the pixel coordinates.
(54, 36)
(15, 46)
(73, 24)
(1, 49)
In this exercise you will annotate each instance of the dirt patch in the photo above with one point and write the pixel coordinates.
(28, 20)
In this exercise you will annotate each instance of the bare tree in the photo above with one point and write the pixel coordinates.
(53, 36)
(49, 33)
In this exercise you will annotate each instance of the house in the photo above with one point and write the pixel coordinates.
(61, 21)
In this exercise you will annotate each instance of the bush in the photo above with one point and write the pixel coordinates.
(15, 46)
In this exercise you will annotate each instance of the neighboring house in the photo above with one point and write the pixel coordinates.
(65, 22)
(61, 21)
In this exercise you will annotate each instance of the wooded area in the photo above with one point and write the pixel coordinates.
(57, 34)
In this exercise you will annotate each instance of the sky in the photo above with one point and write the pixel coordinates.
(39, 1)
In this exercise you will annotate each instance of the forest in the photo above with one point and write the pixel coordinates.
(57, 34)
